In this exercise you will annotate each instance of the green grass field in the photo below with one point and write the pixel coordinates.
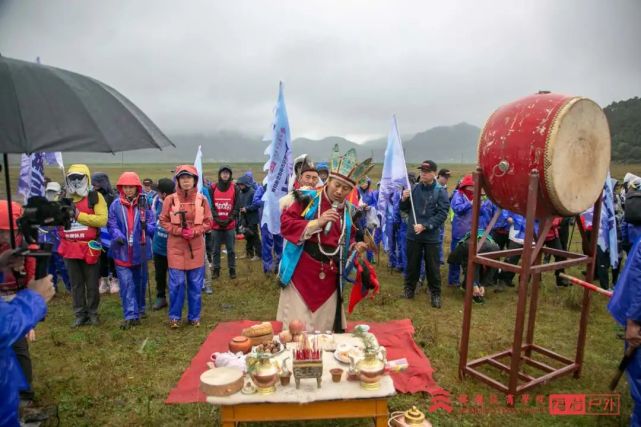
(103, 376)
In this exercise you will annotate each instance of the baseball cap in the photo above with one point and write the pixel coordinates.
(428, 166)
(445, 172)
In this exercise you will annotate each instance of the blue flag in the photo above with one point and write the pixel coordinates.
(608, 227)
(278, 167)
(394, 176)
(32, 176)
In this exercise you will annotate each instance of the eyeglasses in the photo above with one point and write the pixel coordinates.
(75, 177)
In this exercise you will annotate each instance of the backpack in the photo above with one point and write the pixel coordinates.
(632, 209)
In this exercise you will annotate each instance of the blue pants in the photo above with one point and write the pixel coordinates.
(401, 246)
(130, 279)
(272, 249)
(57, 267)
(454, 271)
(178, 281)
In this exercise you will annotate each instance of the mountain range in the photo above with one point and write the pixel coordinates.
(449, 144)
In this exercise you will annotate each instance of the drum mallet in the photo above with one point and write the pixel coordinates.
(586, 285)
(629, 352)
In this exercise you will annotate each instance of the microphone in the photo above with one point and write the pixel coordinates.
(328, 226)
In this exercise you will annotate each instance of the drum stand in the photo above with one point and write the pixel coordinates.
(521, 352)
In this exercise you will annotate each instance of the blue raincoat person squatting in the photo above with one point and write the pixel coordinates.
(16, 319)
(130, 252)
(625, 307)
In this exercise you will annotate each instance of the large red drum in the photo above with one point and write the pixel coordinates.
(565, 138)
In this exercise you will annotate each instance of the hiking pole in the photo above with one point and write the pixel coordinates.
(183, 224)
(142, 208)
(625, 361)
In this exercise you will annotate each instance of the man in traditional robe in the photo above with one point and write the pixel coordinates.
(320, 237)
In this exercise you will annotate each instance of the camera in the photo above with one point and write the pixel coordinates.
(41, 212)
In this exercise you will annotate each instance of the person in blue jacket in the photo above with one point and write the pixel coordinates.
(166, 187)
(429, 205)
(367, 201)
(462, 223)
(271, 245)
(625, 307)
(131, 224)
(17, 318)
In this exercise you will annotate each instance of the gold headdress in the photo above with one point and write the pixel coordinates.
(346, 168)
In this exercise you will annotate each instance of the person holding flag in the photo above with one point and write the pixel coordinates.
(423, 230)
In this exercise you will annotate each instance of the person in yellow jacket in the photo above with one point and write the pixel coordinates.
(80, 247)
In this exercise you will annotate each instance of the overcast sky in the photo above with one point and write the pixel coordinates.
(202, 66)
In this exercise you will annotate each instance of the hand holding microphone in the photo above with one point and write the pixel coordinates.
(330, 216)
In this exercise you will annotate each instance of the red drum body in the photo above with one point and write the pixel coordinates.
(566, 139)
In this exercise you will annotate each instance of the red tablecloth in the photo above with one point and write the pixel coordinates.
(396, 336)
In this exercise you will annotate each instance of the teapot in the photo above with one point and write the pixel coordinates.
(372, 367)
(263, 370)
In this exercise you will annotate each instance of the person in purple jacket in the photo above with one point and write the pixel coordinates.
(131, 224)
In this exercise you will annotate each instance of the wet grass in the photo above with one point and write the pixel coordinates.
(104, 376)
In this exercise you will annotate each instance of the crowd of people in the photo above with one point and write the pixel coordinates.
(117, 233)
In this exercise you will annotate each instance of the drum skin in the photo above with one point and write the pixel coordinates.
(565, 138)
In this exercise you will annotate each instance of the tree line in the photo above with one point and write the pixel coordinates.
(624, 118)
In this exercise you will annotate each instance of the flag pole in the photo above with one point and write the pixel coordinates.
(409, 186)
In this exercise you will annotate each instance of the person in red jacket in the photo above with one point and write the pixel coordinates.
(185, 244)
(224, 200)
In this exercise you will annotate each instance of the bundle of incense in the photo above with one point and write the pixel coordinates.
(307, 354)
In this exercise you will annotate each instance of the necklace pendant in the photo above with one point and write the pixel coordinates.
(322, 275)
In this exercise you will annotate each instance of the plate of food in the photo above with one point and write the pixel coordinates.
(274, 347)
(345, 351)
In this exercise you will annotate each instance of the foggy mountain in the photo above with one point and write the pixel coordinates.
(450, 144)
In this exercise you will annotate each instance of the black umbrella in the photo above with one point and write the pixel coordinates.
(45, 108)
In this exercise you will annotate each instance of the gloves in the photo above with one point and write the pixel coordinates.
(188, 233)
(120, 240)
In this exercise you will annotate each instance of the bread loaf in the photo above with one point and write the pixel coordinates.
(259, 330)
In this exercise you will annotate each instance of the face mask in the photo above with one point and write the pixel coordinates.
(78, 186)
(52, 196)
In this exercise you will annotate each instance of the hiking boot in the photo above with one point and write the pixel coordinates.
(103, 288)
(127, 324)
(195, 323)
(477, 299)
(215, 273)
(174, 323)
(160, 303)
(208, 290)
(436, 301)
(94, 320)
(80, 321)
(114, 286)
(407, 294)
(35, 415)
(232, 273)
